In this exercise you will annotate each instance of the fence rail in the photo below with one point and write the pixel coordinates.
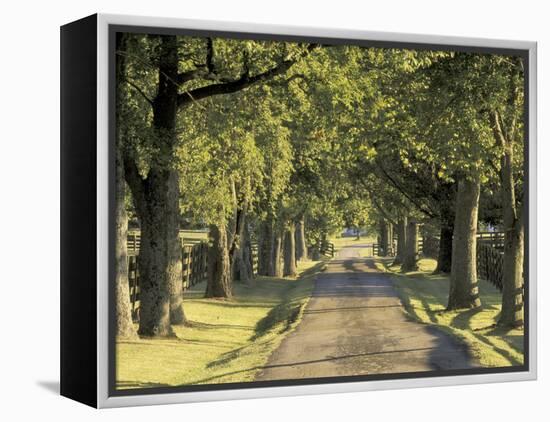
(494, 239)
(194, 259)
(134, 240)
(489, 264)
(489, 256)
(327, 249)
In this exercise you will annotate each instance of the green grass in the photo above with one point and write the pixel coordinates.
(425, 297)
(226, 341)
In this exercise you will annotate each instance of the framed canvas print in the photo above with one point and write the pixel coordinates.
(252, 210)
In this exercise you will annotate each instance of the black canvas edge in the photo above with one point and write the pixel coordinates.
(78, 266)
(520, 52)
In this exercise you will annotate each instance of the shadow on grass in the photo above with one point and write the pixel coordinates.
(463, 319)
(125, 385)
(313, 361)
(207, 326)
(514, 340)
(284, 314)
(504, 353)
(347, 309)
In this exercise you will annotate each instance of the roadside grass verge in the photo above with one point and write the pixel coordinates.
(424, 297)
(225, 340)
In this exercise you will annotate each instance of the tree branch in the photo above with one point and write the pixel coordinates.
(191, 74)
(383, 211)
(497, 129)
(405, 194)
(244, 81)
(138, 89)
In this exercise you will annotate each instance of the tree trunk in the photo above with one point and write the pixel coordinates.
(265, 248)
(445, 254)
(157, 205)
(410, 260)
(276, 255)
(219, 268)
(301, 247)
(446, 198)
(290, 252)
(512, 277)
(175, 259)
(125, 327)
(159, 238)
(390, 239)
(512, 269)
(464, 291)
(315, 253)
(239, 269)
(401, 241)
(385, 238)
(247, 264)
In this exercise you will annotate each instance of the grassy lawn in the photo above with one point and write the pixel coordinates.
(227, 340)
(425, 297)
(341, 242)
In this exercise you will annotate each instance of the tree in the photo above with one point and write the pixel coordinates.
(125, 326)
(179, 80)
(300, 239)
(464, 291)
(507, 131)
(410, 258)
(290, 252)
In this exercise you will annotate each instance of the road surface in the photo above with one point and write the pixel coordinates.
(355, 324)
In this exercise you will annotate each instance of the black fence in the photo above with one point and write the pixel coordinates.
(194, 259)
(326, 248)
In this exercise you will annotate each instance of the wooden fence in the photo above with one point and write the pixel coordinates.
(489, 262)
(493, 239)
(326, 248)
(489, 257)
(254, 249)
(194, 258)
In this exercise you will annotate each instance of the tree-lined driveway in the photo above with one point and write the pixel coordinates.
(355, 324)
